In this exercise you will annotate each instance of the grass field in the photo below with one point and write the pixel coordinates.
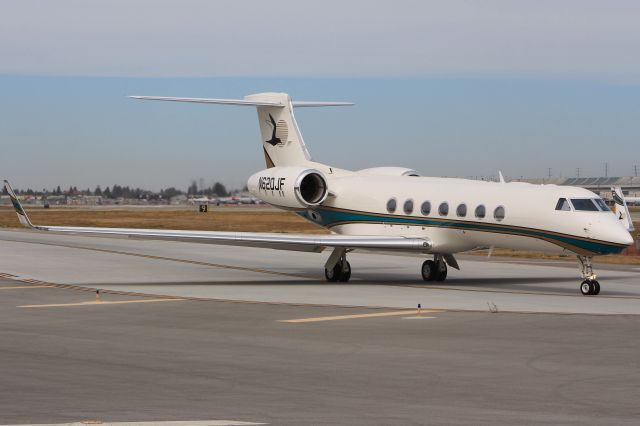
(259, 219)
(223, 219)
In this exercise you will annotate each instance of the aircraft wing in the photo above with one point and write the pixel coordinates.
(296, 242)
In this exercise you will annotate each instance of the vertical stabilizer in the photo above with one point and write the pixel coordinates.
(620, 208)
(281, 139)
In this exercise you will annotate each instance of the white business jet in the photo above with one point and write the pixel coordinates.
(390, 209)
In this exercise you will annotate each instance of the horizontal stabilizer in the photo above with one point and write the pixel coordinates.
(242, 102)
(303, 104)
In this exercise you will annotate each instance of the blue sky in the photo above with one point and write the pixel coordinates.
(449, 88)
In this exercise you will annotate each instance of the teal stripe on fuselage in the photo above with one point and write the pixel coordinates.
(329, 218)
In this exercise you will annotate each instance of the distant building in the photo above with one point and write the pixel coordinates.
(178, 199)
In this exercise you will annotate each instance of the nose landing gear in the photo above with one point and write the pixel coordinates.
(590, 286)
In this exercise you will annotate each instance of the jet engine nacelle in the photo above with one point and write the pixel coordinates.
(291, 187)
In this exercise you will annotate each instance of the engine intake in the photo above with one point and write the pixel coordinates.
(289, 187)
(311, 188)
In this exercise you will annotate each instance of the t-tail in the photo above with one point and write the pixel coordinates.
(620, 208)
(282, 141)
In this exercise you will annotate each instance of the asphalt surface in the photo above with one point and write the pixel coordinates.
(163, 357)
(260, 275)
(193, 360)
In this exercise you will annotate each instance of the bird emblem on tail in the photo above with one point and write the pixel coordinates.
(274, 139)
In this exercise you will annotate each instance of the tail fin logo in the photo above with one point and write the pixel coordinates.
(279, 131)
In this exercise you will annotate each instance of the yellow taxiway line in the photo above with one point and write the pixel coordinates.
(93, 303)
(24, 286)
(355, 316)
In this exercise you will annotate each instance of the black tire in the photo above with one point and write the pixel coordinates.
(441, 274)
(428, 270)
(333, 275)
(596, 288)
(345, 272)
(587, 288)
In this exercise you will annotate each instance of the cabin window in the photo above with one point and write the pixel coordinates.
(461, 211)
(498, 213)
(408, 206)
(584, 205)
(425, 209)
(481, 212)
(563, 205)
(391, 205)
(443, 209)
(603, 206)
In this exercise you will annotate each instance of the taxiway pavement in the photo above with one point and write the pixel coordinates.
(260, 275)
(310, 352)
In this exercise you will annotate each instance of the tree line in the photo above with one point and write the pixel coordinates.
(118, 191)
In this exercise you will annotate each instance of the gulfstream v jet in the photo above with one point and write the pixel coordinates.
(391, 209)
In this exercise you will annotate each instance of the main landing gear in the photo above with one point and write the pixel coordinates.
(434, 270)
(589, 287)
(337, 267)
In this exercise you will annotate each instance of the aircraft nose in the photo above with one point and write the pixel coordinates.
(627, 239)
(622, 236)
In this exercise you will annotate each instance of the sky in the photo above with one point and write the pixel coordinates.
(450, 88)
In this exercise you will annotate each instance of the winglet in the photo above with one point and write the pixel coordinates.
(22, 215)
(501, 177)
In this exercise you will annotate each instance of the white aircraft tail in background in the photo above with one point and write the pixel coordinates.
(621, 209)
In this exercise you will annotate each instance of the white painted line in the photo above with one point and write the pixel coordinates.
(104, 302)
(171, 423)
(355, 316)
(418, 318)
(24, 286)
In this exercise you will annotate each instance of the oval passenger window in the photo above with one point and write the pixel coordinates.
(498, 213)
(480, 212)
(443, 210)
(425, 209)
(391, 205)
(408, 206)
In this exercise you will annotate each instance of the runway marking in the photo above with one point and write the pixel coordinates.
(94, 303)
(24, 286)
(415, 317)
(157, 423)
(355, 316)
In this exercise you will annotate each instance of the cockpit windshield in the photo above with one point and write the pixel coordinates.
(584, 205)
(603, 206)
(563, 204)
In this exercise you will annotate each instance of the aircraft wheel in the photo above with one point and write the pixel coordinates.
(345, 272)
(428, 270)
(333, 275)
(441, 273)
(589, 288)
